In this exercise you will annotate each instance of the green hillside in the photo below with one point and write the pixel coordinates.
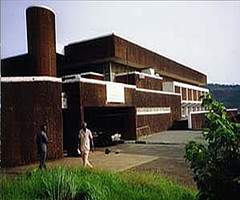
(227, 94)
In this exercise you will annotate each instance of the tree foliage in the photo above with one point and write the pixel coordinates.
(228, 94)
(216, 166)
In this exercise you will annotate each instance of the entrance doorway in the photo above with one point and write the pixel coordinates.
(112, 120)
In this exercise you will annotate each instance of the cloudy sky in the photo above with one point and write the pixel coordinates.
(202, 35)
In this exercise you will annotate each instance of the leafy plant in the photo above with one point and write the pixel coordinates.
(216, 166)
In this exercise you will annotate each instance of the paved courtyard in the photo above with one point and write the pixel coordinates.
(174, 137)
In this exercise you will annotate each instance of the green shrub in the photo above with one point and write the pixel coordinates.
(216, 166)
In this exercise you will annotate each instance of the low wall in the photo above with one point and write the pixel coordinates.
(196, 120)
(148, 124)
(232, 113)
(141, 80)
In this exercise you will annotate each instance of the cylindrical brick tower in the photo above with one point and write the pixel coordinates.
(41, 40)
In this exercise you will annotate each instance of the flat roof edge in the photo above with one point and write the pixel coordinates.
(30, 79)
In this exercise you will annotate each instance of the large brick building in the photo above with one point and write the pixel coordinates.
(113, 84)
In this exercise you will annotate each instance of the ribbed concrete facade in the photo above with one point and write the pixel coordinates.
(27, 103)
(41, 40)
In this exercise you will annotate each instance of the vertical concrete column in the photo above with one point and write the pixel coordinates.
(192, 94)
(182, 111)
(193, 108)
(41, 40)
(197, 108)
(186, 110)
(181, 93)
(189, 109)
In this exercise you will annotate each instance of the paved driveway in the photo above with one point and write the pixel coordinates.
(156, 150)
(168, 148)
(169, 160)
(174, 137)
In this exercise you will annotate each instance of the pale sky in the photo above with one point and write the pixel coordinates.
(202, 35)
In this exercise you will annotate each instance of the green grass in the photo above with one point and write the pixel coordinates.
(79, 184)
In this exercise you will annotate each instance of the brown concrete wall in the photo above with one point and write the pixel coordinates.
(144, 99)
(90, 50)
(25, 106)
(127, 79)
(115, 49)
(95, 95)
(195, 95)
(17, 66)
(184, 94)
(159, 122)
(232, 114)
(155, 123)
(145, 82)
(177, 89)
(135, 54)
(198, 121)
(190, 94)
(199, 95)
(149, 83)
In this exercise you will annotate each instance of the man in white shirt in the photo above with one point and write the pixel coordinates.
(84, 139)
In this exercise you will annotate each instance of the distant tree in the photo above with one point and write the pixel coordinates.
(216, 166)
(228, 94)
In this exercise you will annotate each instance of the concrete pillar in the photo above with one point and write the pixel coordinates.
(187, 110)
(183, 111)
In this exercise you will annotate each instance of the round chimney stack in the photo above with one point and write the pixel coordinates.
(41, 40)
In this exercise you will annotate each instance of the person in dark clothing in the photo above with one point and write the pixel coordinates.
(42, 141)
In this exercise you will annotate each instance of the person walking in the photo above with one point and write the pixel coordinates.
(42, 141)
(84, 145)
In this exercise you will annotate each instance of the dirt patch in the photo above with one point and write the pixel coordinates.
(174, 169)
